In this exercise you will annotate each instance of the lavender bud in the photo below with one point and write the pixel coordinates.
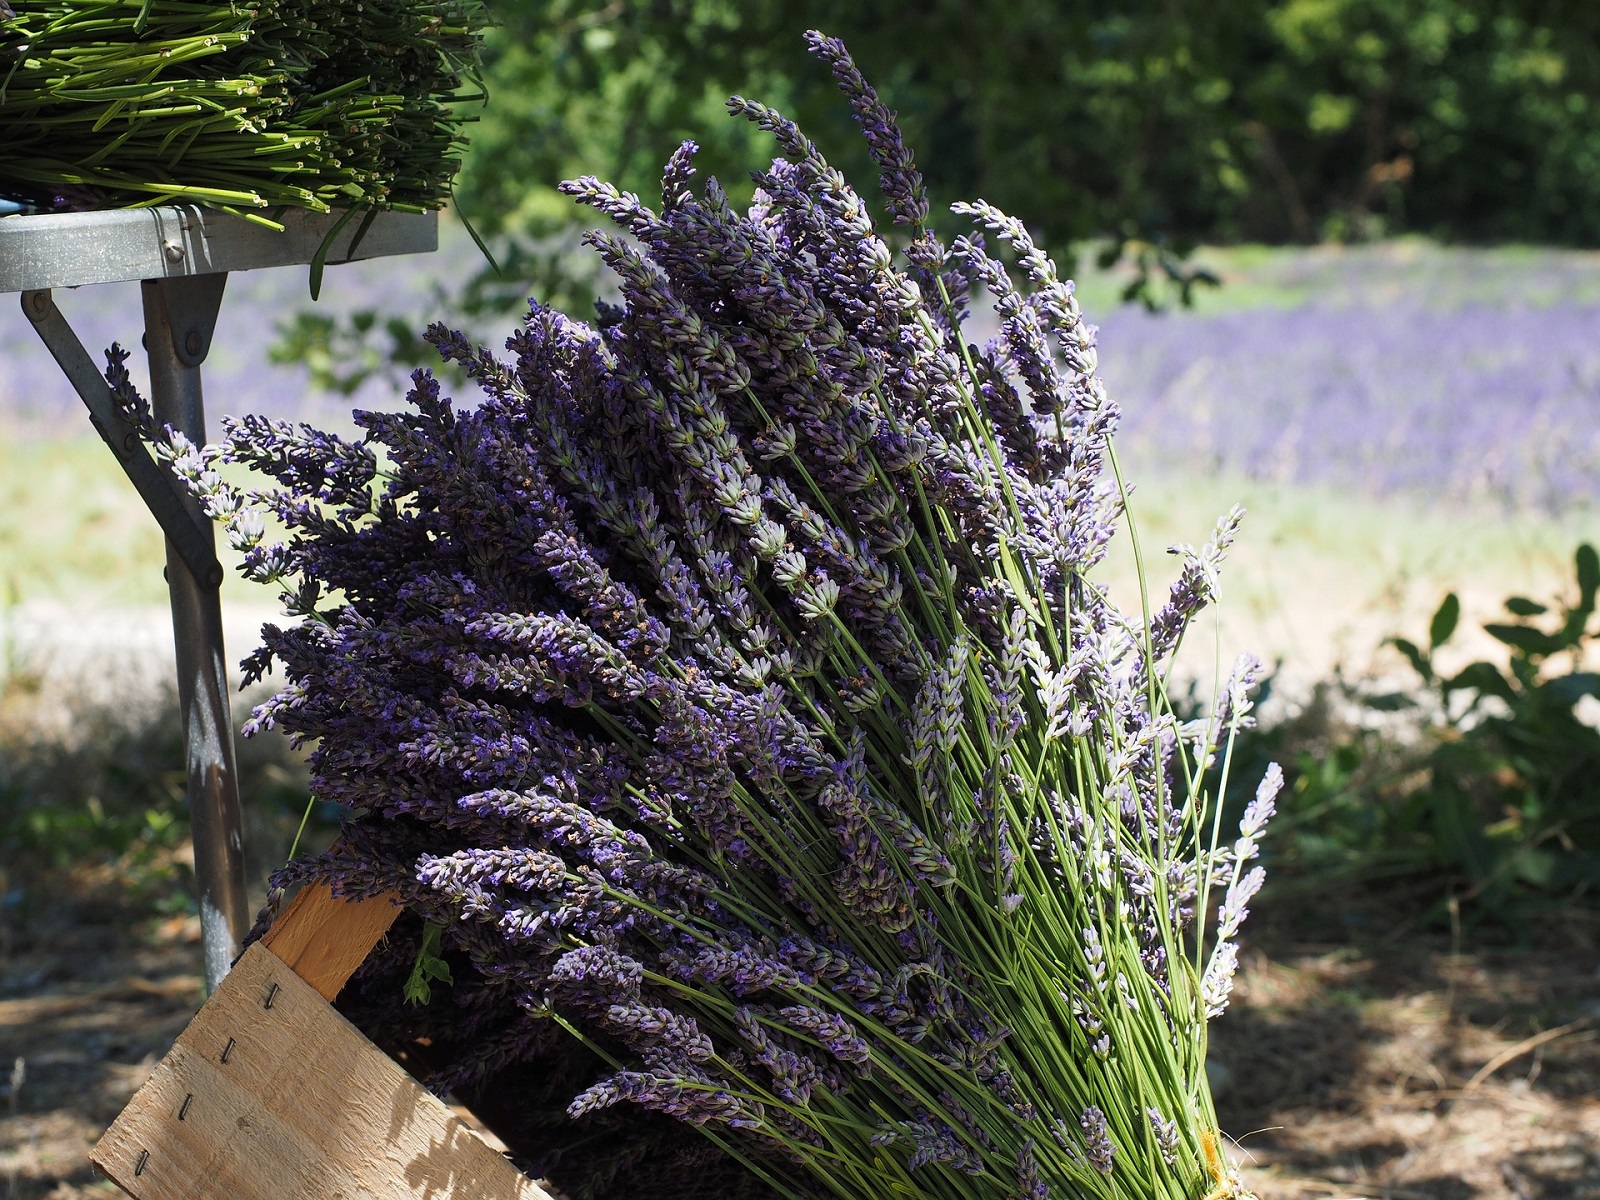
(1217, 985)
(1097, 1140)
(1166, 1136)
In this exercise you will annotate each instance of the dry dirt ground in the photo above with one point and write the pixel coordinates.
(1392, 1066)
(88, 1005)
(1400, 1067)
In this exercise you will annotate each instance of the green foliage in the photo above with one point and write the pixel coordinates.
(1153, 124)
(117, 807)
(1514, 789)
(428, 967)
(1465, 119)
(1142, 127)
(342, 356)
(1053, 111)
(1497, 803)
(103, 802)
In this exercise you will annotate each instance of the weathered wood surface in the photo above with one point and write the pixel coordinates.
(324, 939)
(270, 1094)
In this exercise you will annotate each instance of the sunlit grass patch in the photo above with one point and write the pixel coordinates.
(1319, 576)
(72, 529)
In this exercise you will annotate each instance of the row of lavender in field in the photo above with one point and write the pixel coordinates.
(1479, 404)
(1459, 375)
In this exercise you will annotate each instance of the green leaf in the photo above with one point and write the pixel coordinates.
(320, 258)
(1526, 639)
(1391, 702)
(1521, 606)
(1481, 677)
(1444, 621)
(1588, 564)
(1420, 662)
(428, 966)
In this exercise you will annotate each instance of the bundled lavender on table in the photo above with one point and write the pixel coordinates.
(278, 103)
(729, 696)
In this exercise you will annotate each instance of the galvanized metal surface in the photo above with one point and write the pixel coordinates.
(179, 317)
(70, 249)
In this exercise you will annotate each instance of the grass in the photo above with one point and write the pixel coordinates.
(71, 526)
(106, 806)
(88, 786)
(1318, 577)
(73, 530)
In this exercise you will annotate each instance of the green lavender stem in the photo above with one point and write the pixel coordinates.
(304, 103)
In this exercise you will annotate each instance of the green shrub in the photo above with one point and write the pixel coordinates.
(1512, 799)
(1480, 787)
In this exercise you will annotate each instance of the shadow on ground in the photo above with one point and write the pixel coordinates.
(88, 1004)
(1404, 1070)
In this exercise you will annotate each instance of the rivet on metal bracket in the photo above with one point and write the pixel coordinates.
(194, 342)
(173, 251)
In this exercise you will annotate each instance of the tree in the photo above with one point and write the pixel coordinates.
(1144, 126)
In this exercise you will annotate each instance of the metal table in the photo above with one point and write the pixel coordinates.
(182, 255)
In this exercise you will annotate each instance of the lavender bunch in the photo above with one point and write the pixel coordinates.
(297, 103)
(730, 695)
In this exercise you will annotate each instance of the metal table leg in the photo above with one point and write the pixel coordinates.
(180, 315)
(183, 252)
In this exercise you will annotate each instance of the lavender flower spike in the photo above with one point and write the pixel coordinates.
(903, 189)
(1097, 1140)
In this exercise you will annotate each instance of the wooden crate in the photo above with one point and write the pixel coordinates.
(270, 1094)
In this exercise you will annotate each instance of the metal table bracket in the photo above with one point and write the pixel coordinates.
(161, 496)
(182, 255)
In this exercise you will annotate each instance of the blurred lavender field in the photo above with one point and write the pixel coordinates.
(1443, 376)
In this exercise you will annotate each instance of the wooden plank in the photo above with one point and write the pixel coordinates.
(270, 1094)
(324, 938)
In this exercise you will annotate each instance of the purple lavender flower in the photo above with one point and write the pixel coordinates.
(1217, 985)
(902, 182)
(731, 685)
(1166, 1133)
(1097, 1140)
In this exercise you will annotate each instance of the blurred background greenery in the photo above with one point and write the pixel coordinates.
(1149, 125)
